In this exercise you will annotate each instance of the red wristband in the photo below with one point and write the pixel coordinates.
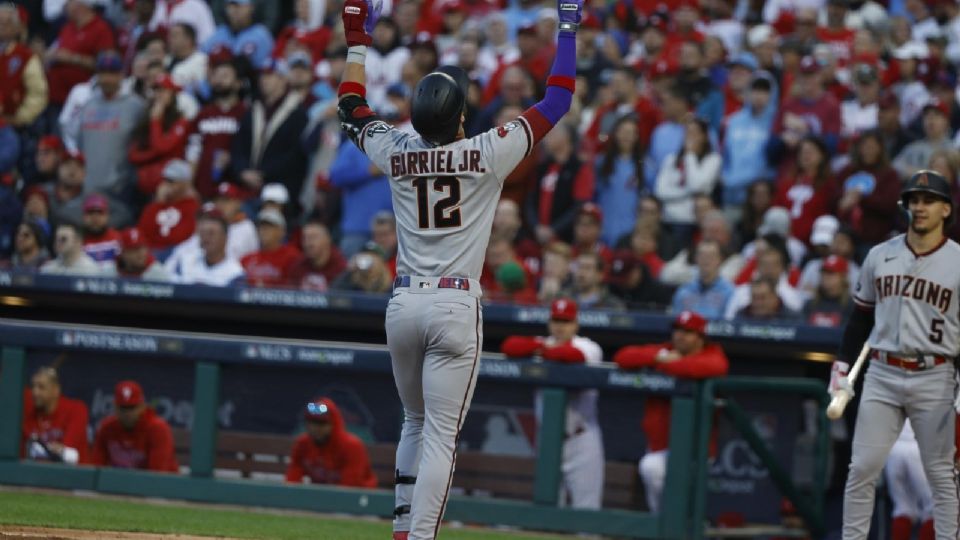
(352, 88)
(562, 81)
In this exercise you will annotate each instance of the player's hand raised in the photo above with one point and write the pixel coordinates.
(570, 12)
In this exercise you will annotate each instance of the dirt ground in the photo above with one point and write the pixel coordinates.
(36, 533)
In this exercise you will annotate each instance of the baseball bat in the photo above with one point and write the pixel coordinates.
(840, 400)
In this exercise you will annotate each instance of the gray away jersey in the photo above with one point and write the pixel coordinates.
(444, 197)
(914, 298)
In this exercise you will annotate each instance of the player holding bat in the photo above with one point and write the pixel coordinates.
(908, 301)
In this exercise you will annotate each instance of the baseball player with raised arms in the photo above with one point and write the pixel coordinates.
(908, 297)
(445, 189)
(582, 459)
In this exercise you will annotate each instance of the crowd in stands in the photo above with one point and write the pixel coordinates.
(732, 157)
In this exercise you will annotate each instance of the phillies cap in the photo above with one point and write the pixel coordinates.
(824, 229)
(127, 394)
(592, 210)
(132, 239)
(109, 62)
(563, 309)
(274, 65)
(691, 321)
(809, 65)
(937, 105)
(623, 263)
(36, 191)
(76, 156)
(228, 191)
(50, 142)
(317, 410)
(834, 263)
(275, 192)
(300, 59)
(95, 202)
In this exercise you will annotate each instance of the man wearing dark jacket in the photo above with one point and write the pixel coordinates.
(564, 184)
(268, 147)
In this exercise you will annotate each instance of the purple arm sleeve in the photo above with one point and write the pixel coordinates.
(556, 101)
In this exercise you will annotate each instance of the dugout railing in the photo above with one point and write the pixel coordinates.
(682, 512)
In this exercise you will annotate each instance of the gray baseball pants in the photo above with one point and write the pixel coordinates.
(891, 394)
(435, 338)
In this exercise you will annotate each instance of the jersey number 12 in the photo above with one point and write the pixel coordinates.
(446, 211)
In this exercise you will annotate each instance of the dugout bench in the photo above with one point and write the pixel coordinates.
(684, 493)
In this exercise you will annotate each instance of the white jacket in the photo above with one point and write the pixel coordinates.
(677, 188)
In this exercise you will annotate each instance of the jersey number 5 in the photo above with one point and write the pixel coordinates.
(936, 331)
(446, 211)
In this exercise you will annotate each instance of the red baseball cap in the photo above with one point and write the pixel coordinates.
(563, 309)
(691, 321)
(317, 410)
(127, 394)
(95, 202)
(663, 68)
(132, 239)
(591, 21)
(38, 191)
(76, 156)
(592, 210)
(937, 105)
(50, 142)
(809, 64)
(228, 190)
(834, 263)
(166, 81)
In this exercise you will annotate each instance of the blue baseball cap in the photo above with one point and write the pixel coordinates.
(109, 61)
(746, 60)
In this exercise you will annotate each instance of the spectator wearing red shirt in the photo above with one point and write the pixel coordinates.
(564, 183)
(23, 86)
(500, 251)
(810, 191)
(72, 58)
(172, 217)
(306, 32)
(273, 264)
(54, 427)
(626, 99)
(134, 437)
(687, 355)
(322, 261)
(508, 224)
(214, 129)
(811, 111)
(100, 241)
(836, 33)
(326, 453)
(586, 233)
(535, 59)
(161, 137)
(871, 189)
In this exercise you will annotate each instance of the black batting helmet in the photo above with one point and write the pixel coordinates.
(439, 101)
(926, 181)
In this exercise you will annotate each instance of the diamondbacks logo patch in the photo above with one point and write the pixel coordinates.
(922, 180)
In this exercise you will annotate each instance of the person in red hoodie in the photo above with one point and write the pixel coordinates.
(810, 191)
(54, 426)
(583, 465)
(273, 264)
(326, 453)
(172, 216)
(161, 137)
(134, 437)
(687, 355)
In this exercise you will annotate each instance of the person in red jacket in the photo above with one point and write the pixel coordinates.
(172, 216)
(326, 453)
(134, 437)
(161, 137)
(273, 264)
(583, 463)
(687, 355)
(72, 58)
(54, 427)
(810, 191)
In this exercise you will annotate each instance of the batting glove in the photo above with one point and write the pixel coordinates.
(359, 18)
(570, 12)
(843, 385)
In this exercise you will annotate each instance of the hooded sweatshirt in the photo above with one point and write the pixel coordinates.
(342, 460)
(744, 158)
(106, 127)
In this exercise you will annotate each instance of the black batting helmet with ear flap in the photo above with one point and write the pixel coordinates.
(926, 181)
(439, 102)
